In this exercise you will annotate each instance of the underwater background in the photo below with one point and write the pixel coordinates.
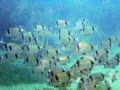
(104, 14)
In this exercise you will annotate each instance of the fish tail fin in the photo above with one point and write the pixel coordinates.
(2, 41)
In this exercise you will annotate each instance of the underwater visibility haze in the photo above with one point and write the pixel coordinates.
(59, 45)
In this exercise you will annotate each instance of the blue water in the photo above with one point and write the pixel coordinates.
(28, 13)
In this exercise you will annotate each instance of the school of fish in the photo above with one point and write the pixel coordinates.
(49, 50)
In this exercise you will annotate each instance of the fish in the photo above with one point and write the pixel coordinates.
(105, 45)
(54, 71)
(13, 48)
(91, 86)
(66, 39)
(111, 63)
(63, 31)
(16, 48)
(63, 39)
(91, 58)
(60, 80)
(88, 30)
(111, 76)
(46, 32)
(52, 52)
(84, 48)
(79, 24)
(101, 53)
(68, 48)
(83, 83)
(103, 60)
(61, 23)
(39, 28)
(40, 42)
(7, 45)
(47, 46)
(112, 39)
(96, 78)
(31, 61)
(41, 31)
(22, 55)
(72, 39)
(39, 72)
(62, 60)
(32, 49)
(83, 79)
(75, 73)
(9, 57)
(44, 63)
(85, 65)
(86, 84)
(117, 56)
(26, 39)
(13, 31)
(108, 85)
(51, 60)
(18, 37)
